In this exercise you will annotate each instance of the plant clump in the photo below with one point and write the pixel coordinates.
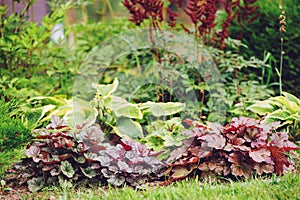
(243, 148)
(83, 156)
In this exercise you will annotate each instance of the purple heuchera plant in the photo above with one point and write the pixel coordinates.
(62, 153)
(242, 148)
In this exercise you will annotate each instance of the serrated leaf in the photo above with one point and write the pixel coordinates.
(263, 168)
(55, 172)
(123, 166)
(180, 172)
(92, 134)
(214, 140)
(88, 172)
(35, 184)
(104, 160)
(117, 181)
(56, 122)
(80, 159)
(260, 155)
(33, 151)
(67, 169)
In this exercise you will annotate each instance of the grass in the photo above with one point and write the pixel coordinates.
(284, 187)
(8, 157)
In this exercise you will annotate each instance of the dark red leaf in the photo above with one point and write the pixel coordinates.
(125, 146)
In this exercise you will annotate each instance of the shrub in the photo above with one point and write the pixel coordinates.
(13, 133)
(263, 36)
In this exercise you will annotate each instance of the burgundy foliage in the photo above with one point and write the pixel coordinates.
(242, 148)
(81, 155)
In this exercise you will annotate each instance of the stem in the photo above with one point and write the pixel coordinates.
(13, 7)
(111, 10)
(32, 13)
(84, 13)
(281, 66)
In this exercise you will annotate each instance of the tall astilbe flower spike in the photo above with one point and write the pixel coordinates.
(142, 10)
(224, 33)
(171, 17)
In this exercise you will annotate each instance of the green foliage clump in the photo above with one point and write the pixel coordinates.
(284, 109)
(263, 35)
(13, 133)
(164, 135)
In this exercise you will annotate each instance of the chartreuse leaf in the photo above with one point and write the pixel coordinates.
(61, 111)
(294, 117)
(123, 108)
(46, 109)
(280, 114)
(291, 98)
(49, 100)
(163, 109)
(127, 127)
(107, 89)
(262, 107)
(282, 100)
(67, 169)
(82, 113)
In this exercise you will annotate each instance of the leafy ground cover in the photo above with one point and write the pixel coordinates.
(283, 187)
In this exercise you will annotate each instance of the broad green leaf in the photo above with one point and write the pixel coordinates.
(82, 113)
(123, 108)
(292, 98)
(295, 107)
(106, 89)
(127, 127)
(280, 114)
(163, 109)
(67, 169)
(262, 107)
(294, 117)
(284, 101)
(61, 111)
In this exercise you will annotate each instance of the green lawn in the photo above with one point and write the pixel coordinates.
(285, 187)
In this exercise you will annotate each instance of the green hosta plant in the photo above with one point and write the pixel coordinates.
(81, 155)
(164, 135)
(243, 148)
(117, 114)
(285, 109)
